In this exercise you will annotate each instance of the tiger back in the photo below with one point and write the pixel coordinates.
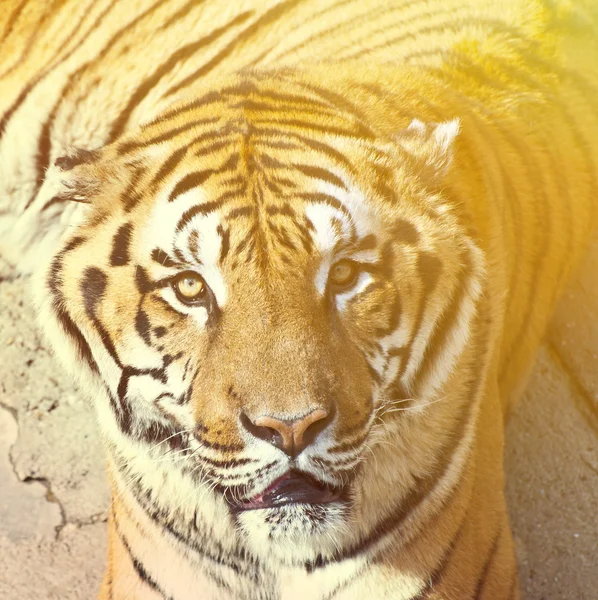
(301, 281)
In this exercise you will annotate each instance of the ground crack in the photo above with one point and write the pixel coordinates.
(50, 496)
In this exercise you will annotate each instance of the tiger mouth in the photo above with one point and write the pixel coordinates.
(292, 488)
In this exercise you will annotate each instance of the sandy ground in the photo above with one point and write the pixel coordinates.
(53, 495)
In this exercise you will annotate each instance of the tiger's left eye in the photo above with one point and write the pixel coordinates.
(343, 274)
(189, 287)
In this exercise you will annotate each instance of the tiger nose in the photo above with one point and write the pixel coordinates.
(291, 436)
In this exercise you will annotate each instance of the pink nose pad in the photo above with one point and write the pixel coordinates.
(291, 436)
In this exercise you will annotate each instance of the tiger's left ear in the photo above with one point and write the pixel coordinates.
(431, 146)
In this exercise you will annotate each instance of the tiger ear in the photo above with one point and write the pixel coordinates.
(431, 146)
(72, 178)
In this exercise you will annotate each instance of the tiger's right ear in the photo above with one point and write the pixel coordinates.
(72, 178)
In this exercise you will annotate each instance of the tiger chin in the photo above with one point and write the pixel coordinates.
(301, 310)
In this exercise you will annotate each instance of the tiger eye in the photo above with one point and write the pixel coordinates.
(189, 287)
(343, 273)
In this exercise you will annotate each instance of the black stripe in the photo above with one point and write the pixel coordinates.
(156, 433)
(321, 174)
(267, 18)
(59, 305)
(190, 181)
(167, 67)
(240, 211)
(76, 158)
(42, 156)
(214, 147)
(143, 326)
(120, 246)
(357, 132)
(316, 145)
(12, 20)
(336, 29)
(394, 311)
(133, 192)
(436, 344)
(225, 243)
(307, 112)
(133, 145)
(285, 210)
(168, 166)
(405, 232)
(201, 209)
(139, 569)
(27, 89)
(144, 284)
(480, 586)
(163, 259)
(160, 331)
(494, 26)
(181, 109)
(437, 575)
(321, 198)
(245, 88)
(426, 279)
(180, 14)
(40, 22)
(61, 199)
(361, 129)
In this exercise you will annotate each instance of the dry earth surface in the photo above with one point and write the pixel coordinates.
(53, 495)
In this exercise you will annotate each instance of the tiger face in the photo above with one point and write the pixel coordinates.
(271, 338)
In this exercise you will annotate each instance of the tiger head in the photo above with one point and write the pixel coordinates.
(272, 305)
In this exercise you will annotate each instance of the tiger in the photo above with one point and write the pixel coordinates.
(299, 254)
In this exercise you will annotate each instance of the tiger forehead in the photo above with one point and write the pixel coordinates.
(264, 210)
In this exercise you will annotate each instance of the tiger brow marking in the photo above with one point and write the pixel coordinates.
(321, 198)
(163, 259)
(206, 208)
(190, 181)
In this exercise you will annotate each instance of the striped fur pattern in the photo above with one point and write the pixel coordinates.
(446, 151)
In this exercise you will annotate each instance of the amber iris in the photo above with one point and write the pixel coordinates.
(343, 274)
(189, 287)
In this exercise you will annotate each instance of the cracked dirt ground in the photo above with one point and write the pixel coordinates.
(53, 495)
